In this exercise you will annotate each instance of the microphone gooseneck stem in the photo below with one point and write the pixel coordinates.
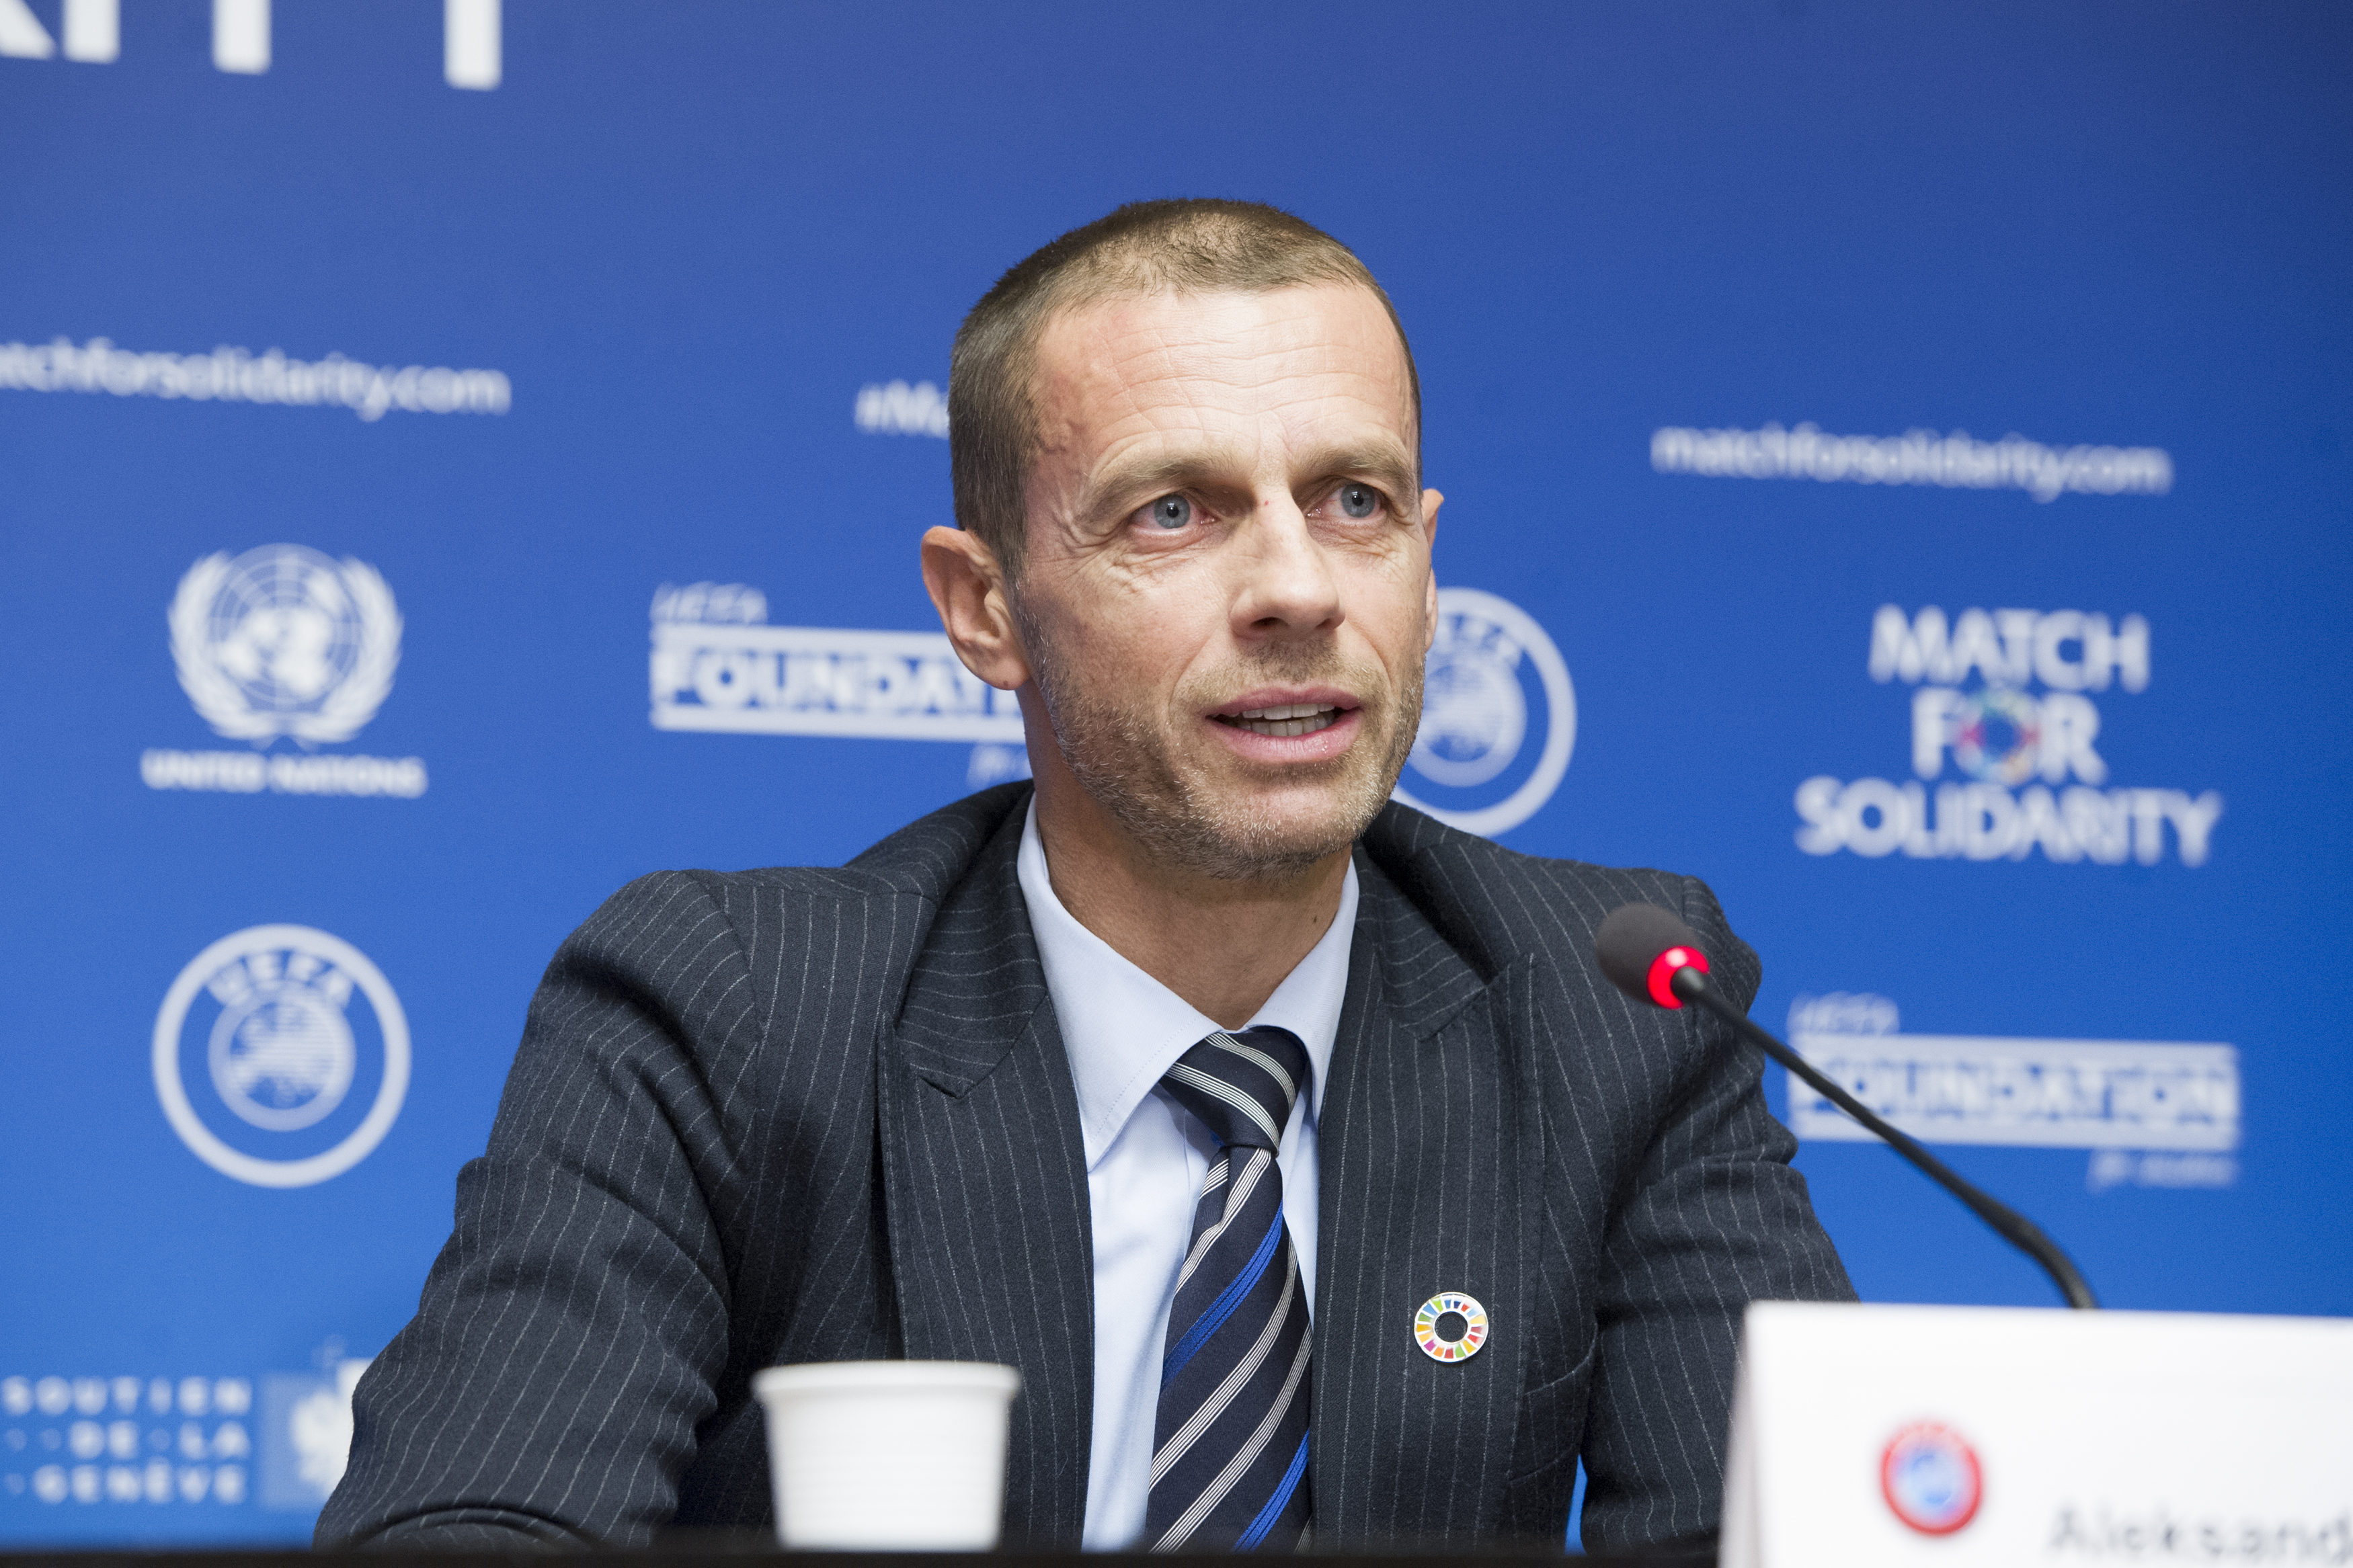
(2016, 1228)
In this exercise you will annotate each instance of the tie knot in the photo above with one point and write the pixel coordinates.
(1242, 1085)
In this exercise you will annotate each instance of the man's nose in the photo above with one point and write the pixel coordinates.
(1286, 586)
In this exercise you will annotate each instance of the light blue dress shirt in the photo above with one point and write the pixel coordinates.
(1146, 1156)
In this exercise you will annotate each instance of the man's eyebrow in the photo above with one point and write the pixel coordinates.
(1387, 465)
(1124, 484)
(1138, 482)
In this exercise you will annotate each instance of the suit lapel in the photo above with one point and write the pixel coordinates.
(984, 1184)
(1432, 1155)
(1427, 1139)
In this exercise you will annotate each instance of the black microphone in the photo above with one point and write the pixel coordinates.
(1653, 957)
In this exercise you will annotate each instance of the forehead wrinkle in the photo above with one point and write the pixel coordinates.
(1157, 401)
(1192, 436)
(1131, 327)
(1125, 372)
(1265, 369)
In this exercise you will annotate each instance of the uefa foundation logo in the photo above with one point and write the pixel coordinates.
(2154, 1113)
(1498, 717)
(281, 1055)
(1930, 1479)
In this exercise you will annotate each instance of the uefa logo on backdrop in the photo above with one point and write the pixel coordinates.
(284, 641)
(281, 1055)
(1498, 717)
(1930, 1477)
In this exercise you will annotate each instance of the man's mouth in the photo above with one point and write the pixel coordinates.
(1286, 719)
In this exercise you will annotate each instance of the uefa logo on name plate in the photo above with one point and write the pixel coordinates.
(1931, 1480)
(1498, 717)
(281, 1055)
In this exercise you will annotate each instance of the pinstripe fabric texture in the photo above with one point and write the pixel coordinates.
(1636, 1194)
(985, 1182)
(712, 1059)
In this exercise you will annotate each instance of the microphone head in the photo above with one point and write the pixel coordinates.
(1641, 947)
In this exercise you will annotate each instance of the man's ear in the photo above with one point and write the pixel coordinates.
(967, 589)
(1430, 501)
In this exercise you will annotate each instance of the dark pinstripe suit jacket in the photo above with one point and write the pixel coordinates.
(822, 1115)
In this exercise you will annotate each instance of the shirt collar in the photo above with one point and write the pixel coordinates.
(1122, 1029)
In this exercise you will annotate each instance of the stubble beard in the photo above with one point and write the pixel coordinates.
(1125, 758)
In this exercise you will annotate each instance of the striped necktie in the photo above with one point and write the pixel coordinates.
(1230, 1446)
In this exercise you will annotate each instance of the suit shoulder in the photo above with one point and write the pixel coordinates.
(1495, 903)
(1588, 880)
(699, 960)
(669, 900)
(670, 928)
(920, 860)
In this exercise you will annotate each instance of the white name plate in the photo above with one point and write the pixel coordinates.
(1965, 1436)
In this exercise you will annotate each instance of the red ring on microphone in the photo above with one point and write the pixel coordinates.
(1664, 968)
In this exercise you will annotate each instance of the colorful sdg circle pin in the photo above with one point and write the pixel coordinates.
(1450, 1326)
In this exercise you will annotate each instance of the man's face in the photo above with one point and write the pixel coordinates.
(1226, 597)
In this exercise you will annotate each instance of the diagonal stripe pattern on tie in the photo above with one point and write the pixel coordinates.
(1229, 1444)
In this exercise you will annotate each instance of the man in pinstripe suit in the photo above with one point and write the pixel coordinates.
(1179, 1081)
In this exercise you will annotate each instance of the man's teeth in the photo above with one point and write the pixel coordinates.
(1287, 718)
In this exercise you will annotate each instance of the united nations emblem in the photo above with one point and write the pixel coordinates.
(283, 641)
(258, 1045)
(1492, 683)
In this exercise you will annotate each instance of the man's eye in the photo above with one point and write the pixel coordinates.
(1170, 512)
(1360, 500)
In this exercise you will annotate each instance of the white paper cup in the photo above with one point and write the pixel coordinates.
(888, 1456)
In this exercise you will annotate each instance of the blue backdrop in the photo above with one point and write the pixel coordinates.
(454, 459)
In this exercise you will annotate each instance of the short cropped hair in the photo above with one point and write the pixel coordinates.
(1187, 247)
